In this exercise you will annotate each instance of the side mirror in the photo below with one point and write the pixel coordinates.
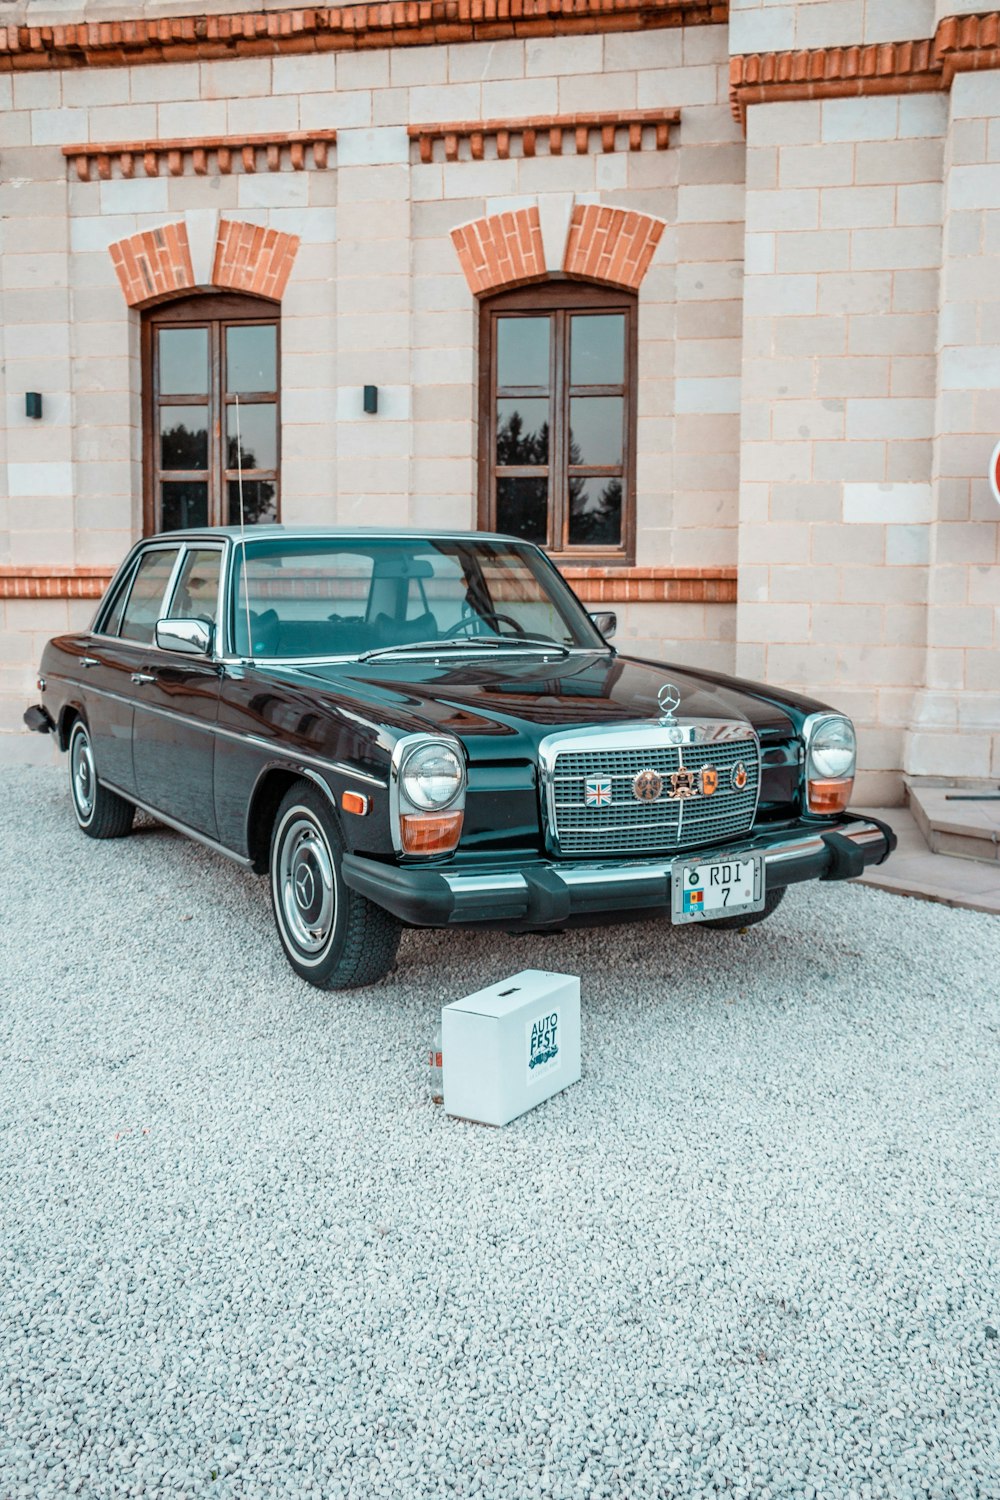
(606, 622)
(187, 637)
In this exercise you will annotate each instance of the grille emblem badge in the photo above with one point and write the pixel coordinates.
(597, 791)
(682, 784)
(647, 785)
(738, 776)
(709, 780)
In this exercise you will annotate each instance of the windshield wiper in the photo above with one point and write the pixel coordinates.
(473, 644)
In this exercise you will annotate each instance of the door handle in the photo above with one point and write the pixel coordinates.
(143, 677)
(89, 661)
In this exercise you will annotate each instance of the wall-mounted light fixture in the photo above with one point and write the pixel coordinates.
(33, 404)
(371, 399)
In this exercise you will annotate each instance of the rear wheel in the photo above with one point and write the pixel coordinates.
(101, 814)
(772, 900)
(331, 935)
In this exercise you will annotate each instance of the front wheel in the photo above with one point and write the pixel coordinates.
(331, 935)
(101, 814)
(772, 900)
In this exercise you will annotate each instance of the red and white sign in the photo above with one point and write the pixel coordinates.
(995, 473)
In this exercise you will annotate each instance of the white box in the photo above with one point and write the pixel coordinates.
(508, 1047)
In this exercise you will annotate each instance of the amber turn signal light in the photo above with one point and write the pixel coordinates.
(430, 833)
(355, 802)
(830, 796)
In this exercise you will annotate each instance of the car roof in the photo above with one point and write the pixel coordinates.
(293, 533)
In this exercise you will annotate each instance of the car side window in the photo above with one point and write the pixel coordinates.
(112, 620)
(145, 601)
(196, 594)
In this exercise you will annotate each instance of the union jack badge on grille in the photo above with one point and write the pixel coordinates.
(597, 791)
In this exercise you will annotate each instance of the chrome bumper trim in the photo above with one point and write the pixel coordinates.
(656, 872)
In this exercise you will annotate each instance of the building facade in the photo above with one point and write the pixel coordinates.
(704, 297)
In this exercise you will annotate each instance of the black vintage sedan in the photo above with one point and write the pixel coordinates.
(405, 729)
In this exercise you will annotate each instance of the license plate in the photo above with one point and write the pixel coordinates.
(703, 890)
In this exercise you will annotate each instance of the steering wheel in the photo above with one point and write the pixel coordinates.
(466, 625)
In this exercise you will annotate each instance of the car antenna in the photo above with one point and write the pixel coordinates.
(243, 530)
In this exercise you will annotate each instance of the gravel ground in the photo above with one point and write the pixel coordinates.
(754, 1252)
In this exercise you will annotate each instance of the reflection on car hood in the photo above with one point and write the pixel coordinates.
(485, 698)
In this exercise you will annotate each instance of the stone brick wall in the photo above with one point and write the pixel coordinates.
(843, 249)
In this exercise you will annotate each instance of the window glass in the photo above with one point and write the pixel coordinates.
(183, 437)
(258, 436)
(252, 358)
(595, 511)
(183, 361)
(523, 351)
(184, 504)
(522, 431)
(595, 433)
(146, 599)
(260, 502)
(597, 349)
(320, 597)
(196, 594)
(523, 508)
(113, 619)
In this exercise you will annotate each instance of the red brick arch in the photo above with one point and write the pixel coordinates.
(156, 263)
(604, 244)
(611, 244)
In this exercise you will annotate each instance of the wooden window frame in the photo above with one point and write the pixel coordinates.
(560, 298)
(222, 309)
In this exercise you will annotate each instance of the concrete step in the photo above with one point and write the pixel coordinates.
(962, 820)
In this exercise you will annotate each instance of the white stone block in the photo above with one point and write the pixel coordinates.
(860, 119)
(381, 147)
(971, 369)
(511, 1046)
(555, 211)
(900, 505)
(203, 232)
(707, 396)
(136, 195)
(39, 479)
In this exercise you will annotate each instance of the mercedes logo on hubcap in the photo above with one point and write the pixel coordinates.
(305, 886)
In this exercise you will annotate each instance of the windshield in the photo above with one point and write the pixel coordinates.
(346, 596)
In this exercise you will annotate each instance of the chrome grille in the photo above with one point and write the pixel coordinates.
(630, 826)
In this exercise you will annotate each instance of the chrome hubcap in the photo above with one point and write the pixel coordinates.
(306, 885)
(82, 773)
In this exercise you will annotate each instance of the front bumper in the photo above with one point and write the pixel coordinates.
(549, 893)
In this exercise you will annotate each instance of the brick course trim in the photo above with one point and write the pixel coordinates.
(54, 583)
(651, 585)
(398, 23)
(156, 263)
(503, 250)
(593, 585)
(627, 130)
(611, 244)
(960, 44)
(201, 155)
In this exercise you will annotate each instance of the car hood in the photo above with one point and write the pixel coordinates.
(488, 701)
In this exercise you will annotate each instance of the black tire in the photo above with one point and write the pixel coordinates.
(332, 937)
(772, 901)
(101, 813)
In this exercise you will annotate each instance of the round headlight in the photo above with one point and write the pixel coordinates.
(432, 777)
(833, 749)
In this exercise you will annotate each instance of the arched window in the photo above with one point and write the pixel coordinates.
(557, 418)
(211, 416)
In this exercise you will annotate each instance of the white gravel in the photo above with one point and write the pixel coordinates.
(753, 1253)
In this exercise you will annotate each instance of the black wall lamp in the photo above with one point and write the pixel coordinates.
(371, 399)
(33, 404)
